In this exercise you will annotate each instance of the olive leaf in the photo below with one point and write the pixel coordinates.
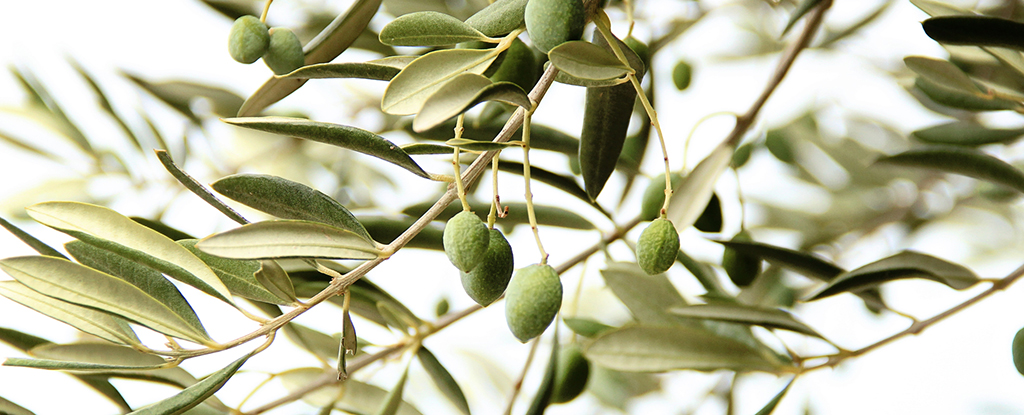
(499, 18)
(238, 275)
(19, 340)
(289, 239)
(564, 183)
(180, 95)
(97, 323)
(361, 70)
(564, 78)
(416, 149)
(541, 137)
(39, 246)
(956, 98)
(517, 214)
(393, 400)
(442, 379)
(196, 188)
(11, 408)
(334, 39)
(801, 9)
(352, 396)
(195, 394)
(648, 297)
(344, 136)
(428, 29)
(410, 89)
(107, 229)
(691, 197)
(967, 133)
(585, 60)
(959, 160)
(806, 264)
(906, 264)
(288, 200)
(745, 314)
(769, 407)
(117, 358)
(387, 228)
(85, 286)
(475, 145)
(462, 93)
(975, 31)
(542, 398)
(586, 327)
(942, 73)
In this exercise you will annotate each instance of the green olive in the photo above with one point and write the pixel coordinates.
(285, 52)
(465, 240)
(742, 269)
(248, 39)
(657, 247)
(553, 22)
(532, 300)
(571, 374)
(1018, 351)
(681, 75)
(487, 281)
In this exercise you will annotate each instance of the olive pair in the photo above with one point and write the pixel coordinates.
(250, 39)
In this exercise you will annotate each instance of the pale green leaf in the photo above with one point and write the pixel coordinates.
(394, 398)
(195, 394)
(19, 340)
(321, 345)
(87, 287)
(499, 18)
(96, 323)
(77, 367)
(361, 70)
(906, 264)
(237, 274)
(107, 229)
(289, 239)
(744, 314)
(443, 380)
(395, 318)
(935, 8)
(276, 280)
(691, 197)
(351, 396)
(942, 73)
(411, 88)
(474, 145)
(659, 348)
(334, 134)
(586, 327)
(326, 46)
(967, 133)
(960, 160)
(462, 93)
(119, 359)
(39, 246)
(585, 60)
(180, 94)
(288, 200)
(648, 297)
(428, 29)
(10, 408)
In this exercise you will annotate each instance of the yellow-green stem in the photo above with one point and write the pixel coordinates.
(266, 9)
(493, 215)
(458, 169)
(529, 193)
(653, 115)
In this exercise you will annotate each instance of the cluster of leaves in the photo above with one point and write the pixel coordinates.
(110, 280)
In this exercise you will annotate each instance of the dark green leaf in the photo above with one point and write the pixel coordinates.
(586, 327)
(428, 29)
(97, 323)
(326, 46)
(474, 145)
(40, 247)
(386, 229)
(703, 273)
(394, 398)
(289, 239)
(288, 200)
(426, 149)
(541, 137)
(547, 384)
(806, 264)
(659, 348)
(648, 297)
(744, 314)
(710, 219)
(565, 78)
(411, 88)
(19, 340)
(967, 133)
(956, 98)
(238, 275)
(442, 379)
(499, 18)
(585, 60)
(942, 73)
(546, 215)
(801, 9)
(963, 161)
(10, 408)
(770, 406)
(906, 264)
(361, 70)
(334, 134)
(462, 93)
(195, 394)
(563, 183)
(975, 31)
(196, 188)
(180, 94)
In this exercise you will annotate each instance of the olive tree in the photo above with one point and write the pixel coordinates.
(460, 86)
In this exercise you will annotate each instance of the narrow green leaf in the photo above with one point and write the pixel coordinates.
(443, 380)
(691, 197)
(195, 394)
(547, 384)
(10, 408)
(541, 137)
(196, 188)
(162, 228)
(935, 8)
(648, 297)
(955, 98)
(704, 274)
(102, 385)
(393, 317)
(744, 314)
(102, 359)
(40, 247)
(806, 264)
(906, 264)
(80, 367)
(355, 396)
(462, 93)
(658, 348)
(427, 149)
(326, 46)
(17, 339)
(770, 406)
(586, 327)
(361, 70)
(565, 78)
(975, 31)
(321, 345)
(499, 18)
(963, 161)
(801, 9)
(474, 145)
(289, 239)
(288, 200)
(59, 119)
(85, 286)
(517, 214)
(146, 279)
(564, 183)
(967, 133)
(107, 229)
(411, 88)
(428, 29)
(105, 104)
(334, 134)
(180, 94)
(387, 228)
(585, 60)
(237, 274)
(274, 278)
(96, 323)
(394, 399)
(943, 73)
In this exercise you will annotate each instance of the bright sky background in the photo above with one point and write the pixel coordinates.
(961, 366)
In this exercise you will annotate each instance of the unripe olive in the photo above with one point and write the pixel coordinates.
(487, 281)
(465, 240)
(654, 196)
(553, 22)
(657, 247)
(532, 301)
(681, 75)
(742, 269)
(571, 374)
(285, 52)
(1018, 351)
(248, 39)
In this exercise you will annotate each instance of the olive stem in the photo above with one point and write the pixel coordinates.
(529, 193)
(266, 9)
(518, 386)
(455, 164)
(493, 214)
